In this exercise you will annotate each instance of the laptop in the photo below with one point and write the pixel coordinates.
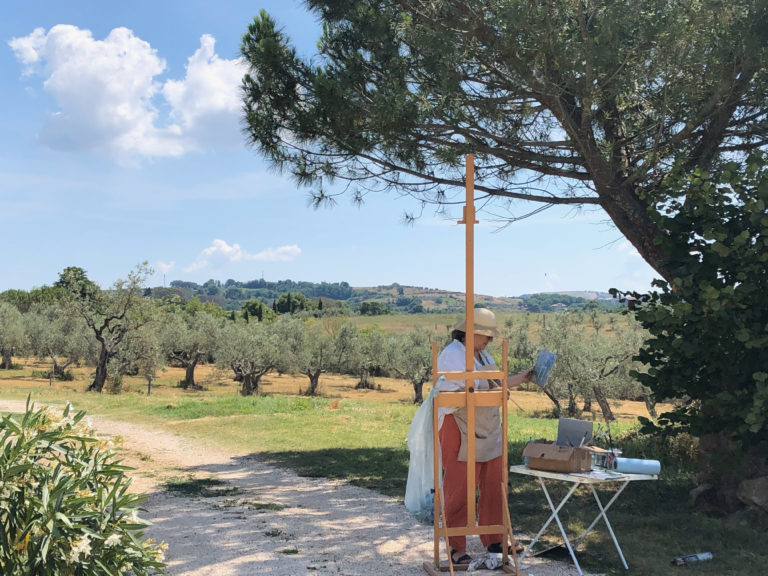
(573, 432)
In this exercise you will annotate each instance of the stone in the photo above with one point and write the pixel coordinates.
(754, 492)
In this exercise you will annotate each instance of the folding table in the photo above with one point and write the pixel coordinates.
(590, 479)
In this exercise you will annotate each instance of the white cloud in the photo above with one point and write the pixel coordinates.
(164, 267)
(108, 94)
(219, 253)
(206, 103)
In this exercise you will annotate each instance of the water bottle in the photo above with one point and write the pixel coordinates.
(682, 560)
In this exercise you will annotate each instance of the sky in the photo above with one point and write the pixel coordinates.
(120, 143)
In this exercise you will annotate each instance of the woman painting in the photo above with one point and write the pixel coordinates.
(452, 423)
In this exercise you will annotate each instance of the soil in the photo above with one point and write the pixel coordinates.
(253, 519)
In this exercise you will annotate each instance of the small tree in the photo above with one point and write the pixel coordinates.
(57, 336)
(110, 314)
(250, 351)
(307, 348)
(258, 310)
(189, 339)
(12, 335)
(141, 354)
(370, 356)
(292, 302)
(591, 365)
(410, 357)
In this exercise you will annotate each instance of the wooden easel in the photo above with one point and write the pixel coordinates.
(470, 398)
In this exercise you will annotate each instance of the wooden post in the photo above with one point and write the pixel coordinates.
(468, 399)
(469, 341)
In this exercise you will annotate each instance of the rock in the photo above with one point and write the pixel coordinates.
(754, 492)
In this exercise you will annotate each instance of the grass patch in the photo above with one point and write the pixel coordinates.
(218, 407)
(199, 487)
(288, 551)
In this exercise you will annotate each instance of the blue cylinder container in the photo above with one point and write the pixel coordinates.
(636, 466)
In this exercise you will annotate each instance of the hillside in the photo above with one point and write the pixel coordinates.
(398, 299)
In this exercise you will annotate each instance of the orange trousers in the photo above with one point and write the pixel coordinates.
(488, 478)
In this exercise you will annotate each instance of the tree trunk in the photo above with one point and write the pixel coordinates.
(101, 372)
(58, 369)
(587, 405)
(314, 382)
(558, 410)
(573, 411)
(6, 363)
(650, 405)
(418, 392)
(189, 376)
(602, 401)
(250, 384)
(366, 381)
(149, 378)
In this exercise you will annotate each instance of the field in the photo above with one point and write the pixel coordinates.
(359, 436)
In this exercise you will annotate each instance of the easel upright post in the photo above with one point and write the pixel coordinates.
(469, 339)
(469, 399)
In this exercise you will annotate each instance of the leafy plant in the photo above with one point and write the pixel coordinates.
(65, 508)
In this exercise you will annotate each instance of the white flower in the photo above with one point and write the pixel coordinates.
(113, 540)
(80, 547)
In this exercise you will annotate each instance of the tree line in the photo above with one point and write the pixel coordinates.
(120, 331)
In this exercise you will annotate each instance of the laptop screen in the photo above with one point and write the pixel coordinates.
(573, 432)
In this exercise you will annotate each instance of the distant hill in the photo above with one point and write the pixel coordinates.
(399, 299)
(583, 294)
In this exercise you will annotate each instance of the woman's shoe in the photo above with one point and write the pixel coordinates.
(495, 548)
(461, 560)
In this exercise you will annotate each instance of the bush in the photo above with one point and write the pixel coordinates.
(65, 508)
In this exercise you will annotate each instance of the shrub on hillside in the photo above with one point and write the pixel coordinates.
(65, 508)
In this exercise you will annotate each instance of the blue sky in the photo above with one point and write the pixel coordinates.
(120, 143)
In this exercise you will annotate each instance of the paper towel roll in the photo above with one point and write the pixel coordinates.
(636, 466)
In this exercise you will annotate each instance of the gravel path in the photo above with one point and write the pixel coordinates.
(264, 520)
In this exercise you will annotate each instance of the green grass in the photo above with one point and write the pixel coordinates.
(363, 442)
(200, 487)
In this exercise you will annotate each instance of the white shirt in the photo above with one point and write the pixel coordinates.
(453, 358)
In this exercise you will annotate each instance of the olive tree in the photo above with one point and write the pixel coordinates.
(109, 314)
(57, 336)
(189, 339)
(410, 357)
(591, 364)
(12, 335)
(306, 347)
(251, 351)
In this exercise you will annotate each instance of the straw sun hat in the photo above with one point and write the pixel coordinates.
(485, 323)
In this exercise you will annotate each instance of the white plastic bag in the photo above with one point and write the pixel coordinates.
(419, 498)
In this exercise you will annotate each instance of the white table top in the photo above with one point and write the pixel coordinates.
(594, 477)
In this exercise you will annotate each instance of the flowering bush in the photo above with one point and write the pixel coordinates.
(65, 509)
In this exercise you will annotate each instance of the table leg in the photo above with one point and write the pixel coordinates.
(555, 516)
(597, 518)
(605, 519)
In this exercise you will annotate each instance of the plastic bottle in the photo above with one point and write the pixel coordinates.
(682, 560)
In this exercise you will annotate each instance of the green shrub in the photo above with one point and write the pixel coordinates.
(65, 509)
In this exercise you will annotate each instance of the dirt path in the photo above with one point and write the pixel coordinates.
(264, 520)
